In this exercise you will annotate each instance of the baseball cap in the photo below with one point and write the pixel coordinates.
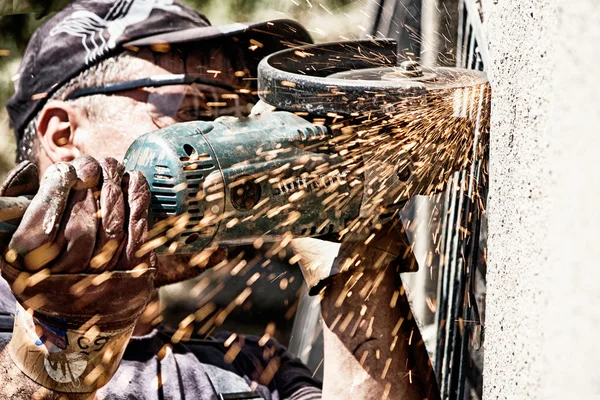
(86, 32)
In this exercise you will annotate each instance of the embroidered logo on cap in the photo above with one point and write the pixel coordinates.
(98, 35)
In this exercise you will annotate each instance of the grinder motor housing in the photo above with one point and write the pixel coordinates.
(234, 180)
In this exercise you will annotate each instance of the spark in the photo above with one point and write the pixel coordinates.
(393, 345)
(277, 277)
(427, 137)
(346, 321)
(394, 299)
(230, 340)
(161, 47)
(283, 284)
(255, 44)
(38, 277)
(41, 256)
(397, 326)
(39, 96)
(269, 331)
(386, 391)
(363, 358)
(386, 367)
(369, 331)
(205, 311)
(232, 353)
(288, 84)
(325, 8)
(335, 322)
(269, 371)
(253, 279)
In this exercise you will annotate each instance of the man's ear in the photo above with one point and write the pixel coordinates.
(57, 124)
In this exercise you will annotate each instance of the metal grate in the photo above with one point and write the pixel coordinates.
(457, 218)
(461, 284)
(400, 20)
(471, 52)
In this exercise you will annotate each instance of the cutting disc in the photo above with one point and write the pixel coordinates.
(351, 77)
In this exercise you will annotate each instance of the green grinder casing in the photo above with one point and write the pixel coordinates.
(235, 180)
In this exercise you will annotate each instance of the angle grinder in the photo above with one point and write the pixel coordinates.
(352, 135)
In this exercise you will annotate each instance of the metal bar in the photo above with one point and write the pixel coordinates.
(462, 20)
(457, 275)
(449, 260)
(471, 48)
(473, 19)
(442, 283)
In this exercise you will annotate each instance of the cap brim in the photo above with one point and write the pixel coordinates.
(260, 38)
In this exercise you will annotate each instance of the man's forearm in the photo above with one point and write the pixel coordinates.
(373, 347)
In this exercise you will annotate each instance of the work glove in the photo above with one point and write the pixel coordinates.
(321, 259)
(73, 267)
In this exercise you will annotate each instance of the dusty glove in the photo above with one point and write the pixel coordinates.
(73, 268)
(321, 259)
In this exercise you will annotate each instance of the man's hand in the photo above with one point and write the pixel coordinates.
(72, 266)
(87, 216)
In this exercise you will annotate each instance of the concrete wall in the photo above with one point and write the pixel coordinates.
(543, 283)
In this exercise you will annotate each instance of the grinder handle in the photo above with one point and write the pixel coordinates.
(11, 212)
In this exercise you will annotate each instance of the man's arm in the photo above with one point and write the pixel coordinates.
(73, 266)
(373, 347)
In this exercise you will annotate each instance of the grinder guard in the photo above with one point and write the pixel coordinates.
(414, 126)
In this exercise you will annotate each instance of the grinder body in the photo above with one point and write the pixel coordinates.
(234, 180)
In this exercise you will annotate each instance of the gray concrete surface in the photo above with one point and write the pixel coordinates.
(543, 299)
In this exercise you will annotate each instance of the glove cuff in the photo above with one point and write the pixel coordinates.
(316, 259)
(320, 260)
(71, 330)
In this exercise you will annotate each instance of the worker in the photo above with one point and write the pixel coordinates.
(94, 77)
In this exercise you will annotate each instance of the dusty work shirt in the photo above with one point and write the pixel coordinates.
(154, 368)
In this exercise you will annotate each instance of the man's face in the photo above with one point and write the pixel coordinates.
(133, 113)
(124, 116)
(129, 114)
